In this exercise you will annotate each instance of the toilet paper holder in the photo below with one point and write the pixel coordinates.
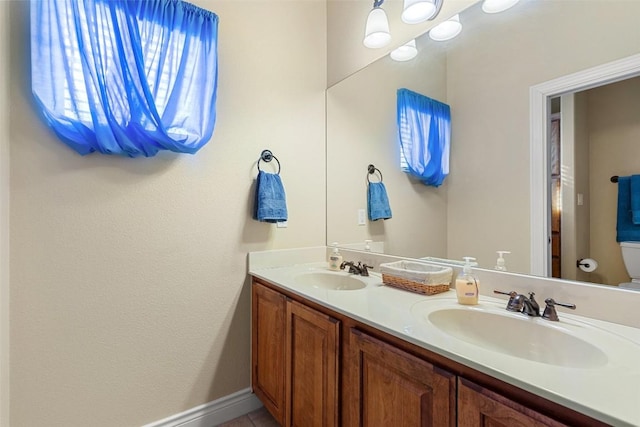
(587, 264)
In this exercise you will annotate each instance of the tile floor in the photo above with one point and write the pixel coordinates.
(258, 418)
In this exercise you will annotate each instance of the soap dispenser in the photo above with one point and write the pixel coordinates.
(467, 285)
(500, 264)
(335, 259)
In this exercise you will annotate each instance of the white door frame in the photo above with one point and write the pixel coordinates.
(539, 106)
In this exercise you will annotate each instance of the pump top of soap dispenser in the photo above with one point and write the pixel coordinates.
(500, 264)
(335, 259)
(334, 252)
(467, 264)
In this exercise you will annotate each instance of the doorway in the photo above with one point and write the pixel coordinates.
(540, 108)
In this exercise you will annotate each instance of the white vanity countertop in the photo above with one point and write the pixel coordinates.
(609, 393)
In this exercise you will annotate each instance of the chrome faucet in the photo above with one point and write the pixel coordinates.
(360, 269)
(516, 301)
(550, 310)
(521, 304)
(528, 305)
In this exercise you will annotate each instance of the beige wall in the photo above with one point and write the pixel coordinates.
(614, 132)
(582, 179)
(129, 295)
(488, 89)
(568, 164)
(362, 131)
(575, 226)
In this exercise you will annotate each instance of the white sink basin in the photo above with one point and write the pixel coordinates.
(517, 335)
(333, 281)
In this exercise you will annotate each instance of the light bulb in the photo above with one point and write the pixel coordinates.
(446, 30)
(416, 11)
(376, 33)
(496, 6)
(405, 52)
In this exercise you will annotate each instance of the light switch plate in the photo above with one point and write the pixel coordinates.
(362, 217)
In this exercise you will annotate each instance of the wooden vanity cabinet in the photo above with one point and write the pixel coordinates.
(390, 387)
(268, 348)
(295, 360)
(315, 367)
(312, 367)
(481, 407)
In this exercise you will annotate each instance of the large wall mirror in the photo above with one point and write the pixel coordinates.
(485, 74)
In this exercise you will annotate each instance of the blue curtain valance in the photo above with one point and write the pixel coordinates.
(424, 132)
(125, 77)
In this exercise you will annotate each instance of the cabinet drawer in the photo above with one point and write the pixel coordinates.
(390, 387)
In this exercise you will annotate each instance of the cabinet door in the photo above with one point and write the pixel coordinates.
(479, 407)
(268, 341)
(389, 387)
(312, 374)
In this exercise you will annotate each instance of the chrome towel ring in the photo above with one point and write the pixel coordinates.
(267, 156)
(372, 170)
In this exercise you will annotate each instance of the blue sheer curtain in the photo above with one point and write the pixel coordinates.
(424, 132)
(125, 77)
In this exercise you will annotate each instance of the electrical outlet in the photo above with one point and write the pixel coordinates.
(362, 217)
(281, 224)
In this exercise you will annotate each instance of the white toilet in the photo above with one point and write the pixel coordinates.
(631, 257)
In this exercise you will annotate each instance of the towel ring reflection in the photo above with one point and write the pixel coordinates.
(371, 170)
(267, 156)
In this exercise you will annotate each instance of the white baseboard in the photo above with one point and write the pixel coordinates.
(213, 413)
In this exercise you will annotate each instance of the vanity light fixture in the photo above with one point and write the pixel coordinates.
(446, 30)
(416, 11)
(376, 32)
(496, 6)
(405, 52)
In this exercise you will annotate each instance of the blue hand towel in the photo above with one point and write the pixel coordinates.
(378, 202)
(271, 204)
(626, 230)
(635, 199)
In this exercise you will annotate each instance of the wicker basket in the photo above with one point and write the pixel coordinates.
(417, 277)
